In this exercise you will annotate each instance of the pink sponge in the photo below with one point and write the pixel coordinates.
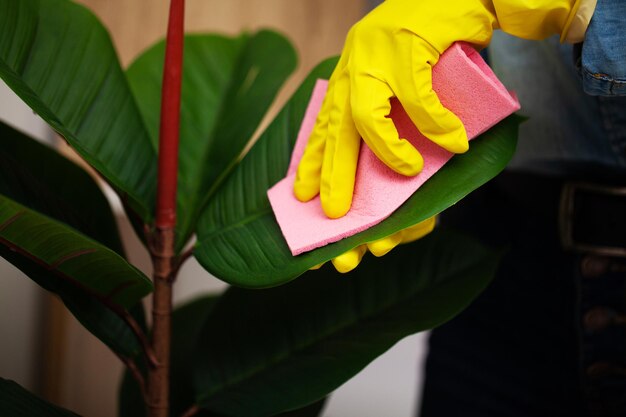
(464, 84)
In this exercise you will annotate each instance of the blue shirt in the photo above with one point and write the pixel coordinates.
(567, 125)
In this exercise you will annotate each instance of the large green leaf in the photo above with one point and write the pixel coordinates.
(37, 177)
(60, 60)
(267, 351)
(239, 240)
(228, 85)
(15, 401)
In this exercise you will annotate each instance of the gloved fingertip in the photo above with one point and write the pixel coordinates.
(344, 267)
(460, 146)
(455, 141)
(411, 163)
(336, 208)
(304, 191)
(419, 230)
(349, 260)
(382, 247)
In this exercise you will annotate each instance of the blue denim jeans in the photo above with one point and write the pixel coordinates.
(548, 336)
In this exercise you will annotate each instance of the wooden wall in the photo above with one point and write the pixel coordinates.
(316, 27)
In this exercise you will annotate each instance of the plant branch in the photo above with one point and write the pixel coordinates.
(141, 337)
(182, 259)
(191, 411)
(135, 372)
(162, 242)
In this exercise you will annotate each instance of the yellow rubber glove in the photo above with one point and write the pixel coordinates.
(349, 260)
(390, 53)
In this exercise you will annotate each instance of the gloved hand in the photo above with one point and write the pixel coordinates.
(349, 260)
(390, 53)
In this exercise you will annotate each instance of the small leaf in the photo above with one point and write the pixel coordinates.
(68, 255)
(228, 85)
(262, 352)
(59, 59)
(15, 401)
(239, 240)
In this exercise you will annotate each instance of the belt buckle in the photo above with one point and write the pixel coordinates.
(572, 192)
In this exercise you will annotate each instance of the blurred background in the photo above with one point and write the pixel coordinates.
(48, 352)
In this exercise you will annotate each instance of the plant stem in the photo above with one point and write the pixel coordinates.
(170, 118)
(158, 376)
(162, 245)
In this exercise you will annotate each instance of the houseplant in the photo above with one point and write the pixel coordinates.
(254, 350)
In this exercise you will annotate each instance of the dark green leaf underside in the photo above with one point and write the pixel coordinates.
(263, 352)
(15, 401)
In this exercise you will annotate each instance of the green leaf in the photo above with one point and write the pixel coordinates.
(69, 255)
(312, 410)
(15, 401)
(266, 351)
(94, 282)
(60, 60)
(228, 85)
(240, 208)
(37, 177)
(187, 322)
(239, 240)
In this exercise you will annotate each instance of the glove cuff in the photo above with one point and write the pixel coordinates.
(578, 21)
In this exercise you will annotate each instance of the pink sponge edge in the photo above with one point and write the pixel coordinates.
(464, 83)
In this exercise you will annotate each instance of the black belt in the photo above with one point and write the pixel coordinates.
(593, 219)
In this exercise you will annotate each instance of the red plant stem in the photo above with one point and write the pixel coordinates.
(170, 118)
(162, 242)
